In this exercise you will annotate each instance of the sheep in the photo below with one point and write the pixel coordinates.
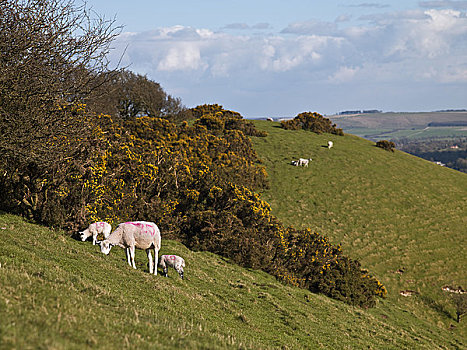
(178, 263)
(450, 289)
(136, 234)
(330, 144)
(294, 162)
(303, 162)
(94, 229)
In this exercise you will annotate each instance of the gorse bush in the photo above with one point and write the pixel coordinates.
(214, 117)
(198, 183)
(314, 122)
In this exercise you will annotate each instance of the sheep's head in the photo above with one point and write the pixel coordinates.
(105, 246)
(84, 235)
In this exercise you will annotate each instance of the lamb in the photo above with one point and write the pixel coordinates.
(94, 229)
(330, 144)
(135, 234)
(178, 263)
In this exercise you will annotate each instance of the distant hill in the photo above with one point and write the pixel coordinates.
(389, 125)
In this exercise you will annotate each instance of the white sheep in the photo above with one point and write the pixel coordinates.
(94, 229)
(330, 144)
(303, 162)
(136, 234)
(175, 261)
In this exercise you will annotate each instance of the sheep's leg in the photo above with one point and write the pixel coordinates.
(156, 259)
(151, 265)
(132, 256)
(180, 271)
(128, 257)
(94, 239)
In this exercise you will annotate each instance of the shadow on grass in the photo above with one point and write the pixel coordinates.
(436, 306)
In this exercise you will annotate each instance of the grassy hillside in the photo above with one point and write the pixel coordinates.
(60, 293)
(392, 211)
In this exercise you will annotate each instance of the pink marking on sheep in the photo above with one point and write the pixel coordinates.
(145, 228)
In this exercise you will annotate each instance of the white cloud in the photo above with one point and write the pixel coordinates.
(305, 58)
(459, 5)
(370, 5)
(183, 56)
(343, 75)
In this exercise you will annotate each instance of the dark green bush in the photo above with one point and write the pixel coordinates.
(314, 122)
(387, 145)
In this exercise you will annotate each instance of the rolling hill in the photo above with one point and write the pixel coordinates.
(402, 217)
(391, 125)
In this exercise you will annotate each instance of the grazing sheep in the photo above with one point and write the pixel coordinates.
(303, 162)
(172, 261)
(136, 234)
(330, 144)
(294, 162)
(408, 293)
(94, 229)
(450, 289)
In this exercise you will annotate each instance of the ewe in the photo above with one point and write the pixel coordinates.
(136, 234)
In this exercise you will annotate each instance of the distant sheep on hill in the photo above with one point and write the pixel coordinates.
(303, 162)
(330, 144)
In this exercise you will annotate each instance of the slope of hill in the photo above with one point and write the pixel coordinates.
(403, 217)
(57, 292)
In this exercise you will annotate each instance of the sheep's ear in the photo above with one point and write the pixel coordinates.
(98, 242)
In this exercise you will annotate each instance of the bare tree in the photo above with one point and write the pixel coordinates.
(52, 56)
(52, 53)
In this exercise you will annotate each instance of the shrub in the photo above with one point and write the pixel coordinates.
(387, 145)
(314, 122)
(214, 117)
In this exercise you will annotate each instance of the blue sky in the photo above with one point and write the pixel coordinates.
(282, 57)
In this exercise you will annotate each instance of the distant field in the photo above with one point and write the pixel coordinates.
(377, 126)
(414, 133)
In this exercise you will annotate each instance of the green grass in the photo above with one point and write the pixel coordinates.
(60, 293)
(390, 210)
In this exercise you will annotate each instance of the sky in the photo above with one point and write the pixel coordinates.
(278, 58)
